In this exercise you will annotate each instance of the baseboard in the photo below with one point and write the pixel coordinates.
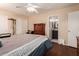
(70, 46)
(64, 44)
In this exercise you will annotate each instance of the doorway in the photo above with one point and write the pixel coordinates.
(12, 26)
(53, 27)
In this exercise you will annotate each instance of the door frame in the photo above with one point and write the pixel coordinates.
(14, 25)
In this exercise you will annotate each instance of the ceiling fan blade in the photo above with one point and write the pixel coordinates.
(36, 11)
(35, 6)
(20, 6)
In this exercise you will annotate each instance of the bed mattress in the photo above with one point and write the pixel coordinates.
(21, 45)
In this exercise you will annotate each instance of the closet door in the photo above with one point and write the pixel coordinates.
(73, 28)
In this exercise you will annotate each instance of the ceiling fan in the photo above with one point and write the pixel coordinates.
(30, 7)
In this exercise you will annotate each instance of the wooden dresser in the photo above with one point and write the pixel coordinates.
(39, 29)
(78, 45)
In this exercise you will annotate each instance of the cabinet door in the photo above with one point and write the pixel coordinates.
(39, 29)
(55, 34)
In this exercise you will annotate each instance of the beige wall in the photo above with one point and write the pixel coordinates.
(63, 20)
(21, 22)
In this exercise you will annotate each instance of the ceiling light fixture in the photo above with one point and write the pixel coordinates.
(32, 8)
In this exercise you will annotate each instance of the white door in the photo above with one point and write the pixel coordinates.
(73, 28)
(10, 22)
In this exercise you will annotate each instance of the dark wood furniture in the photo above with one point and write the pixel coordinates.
(54, 34)
(30, 32)
(78, 45)
(39, 29)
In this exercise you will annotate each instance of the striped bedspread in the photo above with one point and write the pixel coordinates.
(21, 45)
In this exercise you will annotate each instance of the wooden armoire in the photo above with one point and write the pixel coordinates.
(39, 29)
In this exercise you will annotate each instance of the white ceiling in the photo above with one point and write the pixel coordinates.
(44, 7)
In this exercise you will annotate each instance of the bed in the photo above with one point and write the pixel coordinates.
(24, 45)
